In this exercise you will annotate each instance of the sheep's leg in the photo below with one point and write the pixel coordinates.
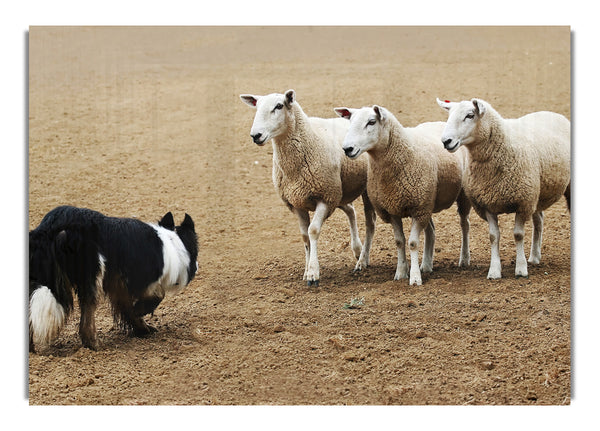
(402, 267)
(464, 207)
(413, 245)
(304, 222)
(355, 243)
(314, 230)
(495, 266)
(363, 260)
(427, 263)
(535, 254)
(519, 233)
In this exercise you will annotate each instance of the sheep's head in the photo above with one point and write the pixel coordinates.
(271, 113)
(365, 129)
(463, 120)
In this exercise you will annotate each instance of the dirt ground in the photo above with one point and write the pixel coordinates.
(140, 121)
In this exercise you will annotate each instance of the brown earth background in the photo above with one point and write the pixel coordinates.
(136, 122)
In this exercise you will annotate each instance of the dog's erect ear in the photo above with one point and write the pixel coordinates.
(188, 222)
(167, 221)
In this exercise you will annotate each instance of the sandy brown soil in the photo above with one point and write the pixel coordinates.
(140, 121)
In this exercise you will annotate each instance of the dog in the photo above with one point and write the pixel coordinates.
(83, 252)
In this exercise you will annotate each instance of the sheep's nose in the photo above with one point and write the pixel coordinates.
(256, 138)
(447, 142)
(348, 150)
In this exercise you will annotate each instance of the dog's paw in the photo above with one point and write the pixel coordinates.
(143, 331)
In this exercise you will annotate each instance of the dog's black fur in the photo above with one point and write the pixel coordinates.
(83, 251)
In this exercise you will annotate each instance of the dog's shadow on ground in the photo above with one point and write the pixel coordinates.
(116, 339)
(70, 345)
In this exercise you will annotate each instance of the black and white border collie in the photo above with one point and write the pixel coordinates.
(83, 251)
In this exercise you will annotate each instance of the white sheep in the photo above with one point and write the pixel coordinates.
(311, 173)
(410, 175)
(519, 166)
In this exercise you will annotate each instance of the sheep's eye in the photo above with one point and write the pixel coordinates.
(278, 106)
(470, 115)
(371, 122)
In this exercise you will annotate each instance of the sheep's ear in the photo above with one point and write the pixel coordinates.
(380, 112)
(167, 221)
(249, 99)
(479, 107)
(344, 112)
(290, 97)
(444, 104)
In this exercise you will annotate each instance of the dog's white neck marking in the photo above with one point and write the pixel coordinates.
(176, 261)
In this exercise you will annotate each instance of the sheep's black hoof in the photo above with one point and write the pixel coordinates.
(521, 276)
(314, 283)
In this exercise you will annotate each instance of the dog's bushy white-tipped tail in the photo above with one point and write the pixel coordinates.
(46, 316)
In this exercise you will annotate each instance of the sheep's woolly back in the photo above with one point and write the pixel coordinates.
(309, 164)
(518, 165)
(410, 173)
